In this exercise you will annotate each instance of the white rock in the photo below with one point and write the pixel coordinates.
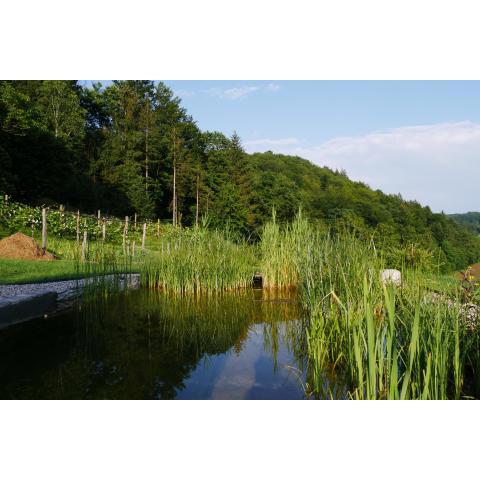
(391, 276)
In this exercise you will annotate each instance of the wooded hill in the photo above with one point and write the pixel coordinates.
(131, 147)
(470, 220)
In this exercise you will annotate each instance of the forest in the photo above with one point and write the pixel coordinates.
(470, 220)
(131, 147)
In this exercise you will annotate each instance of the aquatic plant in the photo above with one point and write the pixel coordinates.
(283, 250)
(198, 260)
(390, 343)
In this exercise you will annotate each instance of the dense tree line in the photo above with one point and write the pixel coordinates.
(131, 147)
(470, 220)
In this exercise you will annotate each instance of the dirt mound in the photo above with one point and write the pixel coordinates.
(476, 271)
(21, 247)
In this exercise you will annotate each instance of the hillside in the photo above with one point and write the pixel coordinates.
(470, 220)
(286, 182)
(131, 148)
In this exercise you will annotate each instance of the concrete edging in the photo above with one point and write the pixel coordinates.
(20, 303)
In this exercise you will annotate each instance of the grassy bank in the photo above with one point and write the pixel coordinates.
(28, 271)
(179, 260)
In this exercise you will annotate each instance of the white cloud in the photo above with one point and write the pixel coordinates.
(438, 165)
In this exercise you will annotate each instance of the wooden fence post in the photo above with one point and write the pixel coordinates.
(144, 234)
(84, 245)
(104, 230)
(78, 227)
(98, 218)
(135, 223)
(125, 233)
(158, 228)
(44, 231)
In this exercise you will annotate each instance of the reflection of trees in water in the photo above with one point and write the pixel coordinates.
(141, 345)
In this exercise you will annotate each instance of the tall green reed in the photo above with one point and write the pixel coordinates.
(393, 343)
(199, 260)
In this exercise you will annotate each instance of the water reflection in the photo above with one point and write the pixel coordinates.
(146, 344)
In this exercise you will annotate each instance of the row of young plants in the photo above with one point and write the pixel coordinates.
(15, 216)
(377, 341)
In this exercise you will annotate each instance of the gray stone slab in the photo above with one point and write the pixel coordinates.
(23, 307)
(19, 303)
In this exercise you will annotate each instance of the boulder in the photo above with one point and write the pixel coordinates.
(393, 277)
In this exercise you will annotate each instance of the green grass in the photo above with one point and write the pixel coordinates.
(31, 271)
(100, 259)
(181, 260)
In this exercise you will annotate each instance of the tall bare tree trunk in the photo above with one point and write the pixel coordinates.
(174, 219)
(78, 227)
(147, 131)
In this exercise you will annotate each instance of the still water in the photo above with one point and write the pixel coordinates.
(148, 345)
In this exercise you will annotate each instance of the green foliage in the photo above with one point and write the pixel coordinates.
(15, 216)
(116, 148)
(470, 220)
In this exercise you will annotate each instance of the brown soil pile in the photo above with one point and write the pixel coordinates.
(476, 271)
(21, 247)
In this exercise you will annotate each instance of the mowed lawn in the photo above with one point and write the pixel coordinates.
(32, 271)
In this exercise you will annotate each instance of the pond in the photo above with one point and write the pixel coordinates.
(145, 344)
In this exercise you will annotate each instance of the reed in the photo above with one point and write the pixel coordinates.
(198, 260)
(283, 250)
(390, 343)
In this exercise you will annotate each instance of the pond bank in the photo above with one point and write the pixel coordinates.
(19, 303)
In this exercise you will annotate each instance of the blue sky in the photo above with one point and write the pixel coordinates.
(316, 111)
(420, 139)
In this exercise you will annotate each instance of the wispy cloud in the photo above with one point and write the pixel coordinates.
(231, 93)
(438, 165)
(269, 143)
(184, 93)
(273, 87)
(236, 93)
